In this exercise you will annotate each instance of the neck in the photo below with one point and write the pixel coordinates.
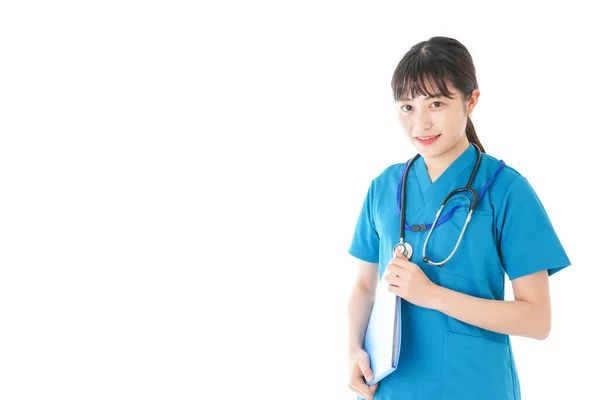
(437, 165)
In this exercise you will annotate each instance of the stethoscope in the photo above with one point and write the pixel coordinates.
(405, 247)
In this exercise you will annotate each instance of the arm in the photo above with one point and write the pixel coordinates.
(360, 303)
(528, 315)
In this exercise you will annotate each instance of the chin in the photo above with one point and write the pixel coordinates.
(431, 151)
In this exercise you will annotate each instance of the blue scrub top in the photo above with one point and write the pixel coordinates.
(510, 233)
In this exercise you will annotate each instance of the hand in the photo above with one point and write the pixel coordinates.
(407, 280)
(360, 367)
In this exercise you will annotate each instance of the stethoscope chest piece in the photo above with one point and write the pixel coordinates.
(405, 248)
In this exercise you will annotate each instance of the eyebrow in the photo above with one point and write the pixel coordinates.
(426, 97)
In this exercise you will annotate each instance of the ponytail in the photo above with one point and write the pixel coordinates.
(472, 136)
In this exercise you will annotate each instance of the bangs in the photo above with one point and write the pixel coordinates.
(420, 75)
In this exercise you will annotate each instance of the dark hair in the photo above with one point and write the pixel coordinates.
(435, 61)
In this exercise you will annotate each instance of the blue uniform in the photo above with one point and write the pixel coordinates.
(510, 233)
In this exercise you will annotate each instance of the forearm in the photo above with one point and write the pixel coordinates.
(518, 317)
(360, 305)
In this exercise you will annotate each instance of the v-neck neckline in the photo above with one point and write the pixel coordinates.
(466, 159)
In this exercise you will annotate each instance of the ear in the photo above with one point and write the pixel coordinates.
(473, 101)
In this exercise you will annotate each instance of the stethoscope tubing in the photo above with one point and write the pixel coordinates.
(406, 248)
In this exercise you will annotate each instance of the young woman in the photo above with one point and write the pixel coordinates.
(456, 325)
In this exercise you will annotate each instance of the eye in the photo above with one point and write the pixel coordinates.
(406, 108)
(439, 104)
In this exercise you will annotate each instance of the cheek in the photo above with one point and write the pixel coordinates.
(450, 123)
(404, 123)
(442, 119)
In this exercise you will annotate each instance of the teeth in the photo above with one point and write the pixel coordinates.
(426, 137)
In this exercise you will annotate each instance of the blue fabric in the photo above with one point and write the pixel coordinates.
(365, 243)
(445, 217)
(510, 234)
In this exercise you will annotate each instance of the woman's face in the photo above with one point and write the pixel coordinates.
(436, 125)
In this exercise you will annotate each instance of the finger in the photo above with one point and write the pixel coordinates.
(394, 272)
(365, 369)
(359, 392)
(372, 389)
(399, 267)
(360, 388)
(398, 289)
(402, 263)
(392, 279)
(392, 269)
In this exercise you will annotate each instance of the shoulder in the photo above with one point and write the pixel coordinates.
(384, 180)
(390, 170)
(509, 185)
(390, 173)
(507, 177)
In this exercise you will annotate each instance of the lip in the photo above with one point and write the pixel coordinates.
(427, 142)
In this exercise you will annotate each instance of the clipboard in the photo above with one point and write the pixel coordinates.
(383, 334)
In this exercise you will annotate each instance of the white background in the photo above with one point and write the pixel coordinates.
(179, 185)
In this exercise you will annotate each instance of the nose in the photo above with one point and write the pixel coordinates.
(423, 120)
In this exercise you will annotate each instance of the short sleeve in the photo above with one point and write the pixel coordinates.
(365, 241)
(527, 241)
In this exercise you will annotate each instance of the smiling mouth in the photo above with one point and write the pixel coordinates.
(427, 138)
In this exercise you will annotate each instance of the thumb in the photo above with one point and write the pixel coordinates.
(399, 253)
(366, 369)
